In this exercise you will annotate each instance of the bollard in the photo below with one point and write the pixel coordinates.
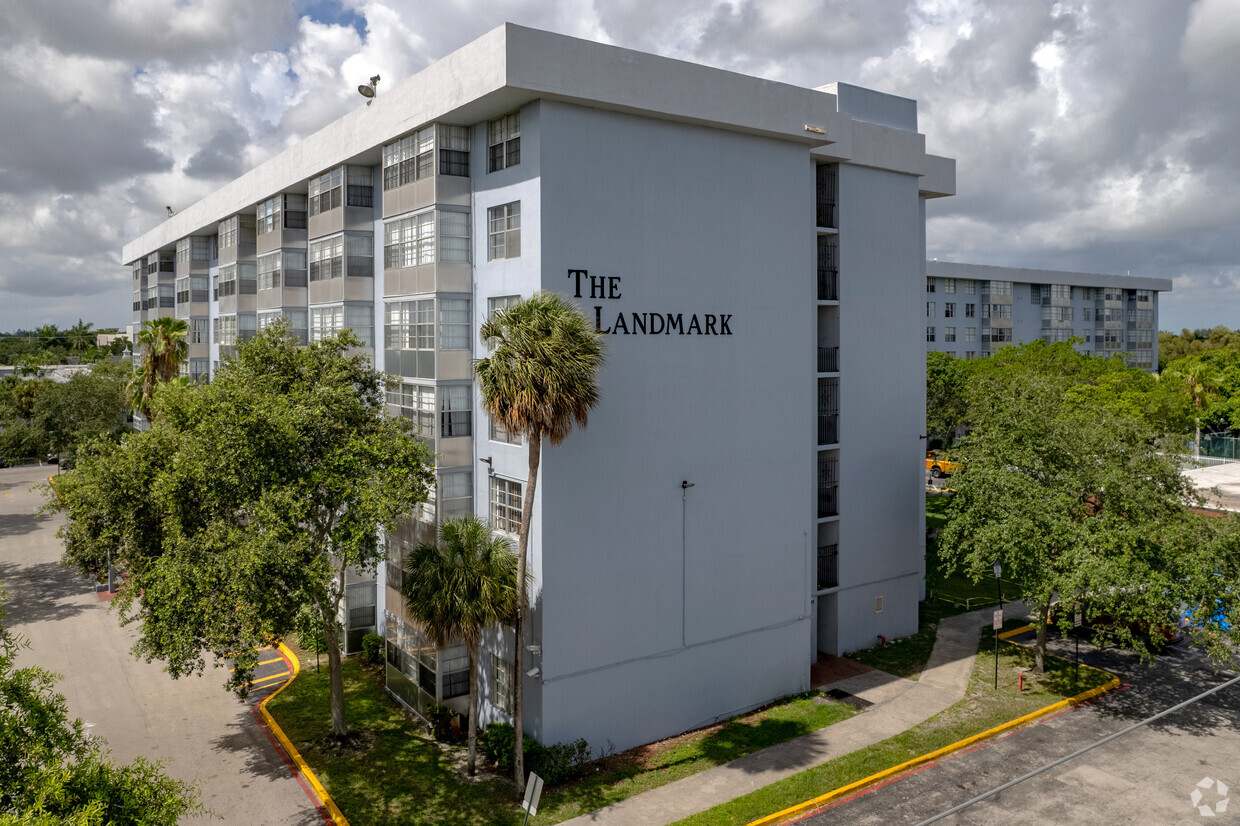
(1020, 682)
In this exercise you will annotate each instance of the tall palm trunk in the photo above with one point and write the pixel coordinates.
(523, 546)
(473, 704)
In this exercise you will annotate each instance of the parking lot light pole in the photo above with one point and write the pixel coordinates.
(999, 585)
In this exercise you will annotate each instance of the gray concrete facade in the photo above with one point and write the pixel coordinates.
(740, 242)
(1110, 314)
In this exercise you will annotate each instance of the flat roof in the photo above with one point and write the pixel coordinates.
(985, 272)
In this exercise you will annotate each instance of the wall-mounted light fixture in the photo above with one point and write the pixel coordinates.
(369, 90)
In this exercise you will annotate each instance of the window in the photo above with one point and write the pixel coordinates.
(970, 355)
(327, 258)
(360, 255)
(1052, 336)
(949, 309)
(454, 663)
(501, 684)
(504, 231)
(410, 325)
(229, 228)
(929, 285)
(268, 215)
(1001, 334)
(361, 320)
(1000, 287)
(504, 142)
(198, 331)
(505, 505)
(996, 311)
(949, 334)
(970, 311)
(327, 191)
(226, 282)
(296, 317)
(456, 410)
(929, 334)
(411, 241)
(1145, 296)
(410, 159)
(183, 252)
(360, 186)
(969, 286)
(1087, 314)
(454, 323)
(1050, 313)
(202, 248)
(456, 494)
(970, 334)
(930, 309)
(325, 322)
(416, 403)
(949, 285)
(1061, 291)
(269, 270)
(453, 150)
(499, 433)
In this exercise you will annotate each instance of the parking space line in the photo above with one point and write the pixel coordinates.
(268, 679)
(264, 662)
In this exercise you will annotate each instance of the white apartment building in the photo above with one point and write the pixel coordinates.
(973, 310)
(748, 492)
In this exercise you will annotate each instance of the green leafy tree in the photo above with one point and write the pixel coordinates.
(248, 501)
(90, 405)
(459, 587)
(52, 772)
(164, 349)
(946, 411)
(1200, 381)
(540, 381)
(1079, 501)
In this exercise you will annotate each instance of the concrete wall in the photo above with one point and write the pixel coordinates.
(665, 608)
(882, 390)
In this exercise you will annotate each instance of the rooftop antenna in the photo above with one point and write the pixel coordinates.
(369, 90)
(170, 212)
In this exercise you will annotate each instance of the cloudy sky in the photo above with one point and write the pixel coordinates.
(1093, 136)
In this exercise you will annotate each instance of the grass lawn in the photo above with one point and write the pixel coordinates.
(981, 709)
(400, 775)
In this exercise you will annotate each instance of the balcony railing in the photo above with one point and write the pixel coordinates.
(828, 485)
(828, 269)
(827, 188)
(828, 428)
(828, 566)
(828, 359)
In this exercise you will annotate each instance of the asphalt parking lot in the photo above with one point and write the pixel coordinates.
(1145, 776)
(202, 733)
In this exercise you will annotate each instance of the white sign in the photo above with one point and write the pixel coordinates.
(998, 621)
(533, 791)
(1076, 620)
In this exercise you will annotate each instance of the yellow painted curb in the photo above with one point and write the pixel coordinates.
(324, 797)
(805, 806)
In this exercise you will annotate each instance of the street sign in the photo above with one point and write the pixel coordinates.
(533, 791)
(998, 621)
(1076, 620)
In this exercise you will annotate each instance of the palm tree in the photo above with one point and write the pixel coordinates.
(1199, 381)
(539, 380)
(459, 587)
(164, 349)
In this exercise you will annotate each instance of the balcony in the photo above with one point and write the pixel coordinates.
(826, 200)
(828, 359)
(828, 414)
(828, 269)
(828, 566)
(828, 428)
(828, 486)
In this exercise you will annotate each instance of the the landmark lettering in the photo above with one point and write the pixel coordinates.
(646, 324)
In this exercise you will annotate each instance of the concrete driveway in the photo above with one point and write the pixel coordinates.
(202, 733)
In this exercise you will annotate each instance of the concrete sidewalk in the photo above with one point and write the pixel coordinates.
(899, 705)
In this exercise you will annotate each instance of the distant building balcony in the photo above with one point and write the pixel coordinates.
(828, 269)
(828, 359)
(828, 485)
(828, 566)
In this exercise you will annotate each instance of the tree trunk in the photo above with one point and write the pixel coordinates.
(331, 639)
(473, 706)
(1039, 647)
(523, 547)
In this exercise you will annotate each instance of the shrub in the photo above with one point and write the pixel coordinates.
(441, 722)
(372, 648)
(554, 764)
(312, 640)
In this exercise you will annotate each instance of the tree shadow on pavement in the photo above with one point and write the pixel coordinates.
(18, 524)
(43, 592)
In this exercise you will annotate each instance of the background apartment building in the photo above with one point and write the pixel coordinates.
(746, 494)
(973, 310)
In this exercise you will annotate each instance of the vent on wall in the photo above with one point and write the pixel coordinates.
(878, 605)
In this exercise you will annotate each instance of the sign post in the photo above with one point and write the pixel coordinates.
(533, 791)
(1076, 632)
(997, 625)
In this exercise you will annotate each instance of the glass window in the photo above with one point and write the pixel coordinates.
(267, 215)
(504, 142)
(327, 258)
(504, 231)
(929, 285)
(325, 322)
(416, 403)
(949, 285)
(949, 309)
(969, 286)
(456, 494)
(501, 684)
(930, 309)
(505, 505)
(454, 323)
(970, 334)
(929, 334)
(327, 191)
(456, 406)
(949, 334)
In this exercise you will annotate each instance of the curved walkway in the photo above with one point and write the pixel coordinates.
(899, 705)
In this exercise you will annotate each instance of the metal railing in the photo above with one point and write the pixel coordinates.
(828, 566)
(828, 485)
(828, 359)
(828, 428)
(827, 189)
